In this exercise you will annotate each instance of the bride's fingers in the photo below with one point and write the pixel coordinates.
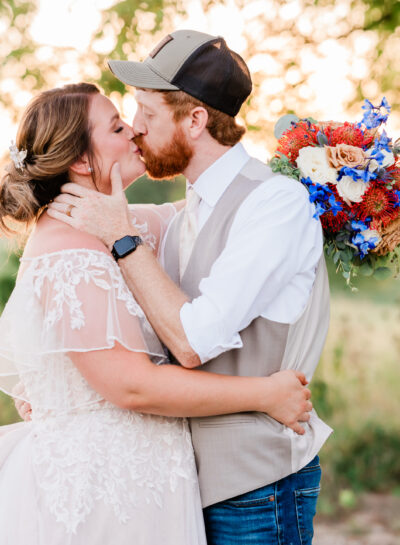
(66, 198)
(53, 213)
(116, 180)
(62, 207)
(76, 189)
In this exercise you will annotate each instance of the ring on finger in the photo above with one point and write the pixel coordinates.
(69, 210)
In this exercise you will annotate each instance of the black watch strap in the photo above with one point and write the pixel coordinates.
(125, 246)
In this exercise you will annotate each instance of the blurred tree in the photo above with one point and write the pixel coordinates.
(316, 57)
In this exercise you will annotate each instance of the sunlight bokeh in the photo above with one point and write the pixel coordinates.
(323, 78)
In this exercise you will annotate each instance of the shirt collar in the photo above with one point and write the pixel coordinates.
(212, 183)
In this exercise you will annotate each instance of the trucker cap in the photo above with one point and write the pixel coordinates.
(199, 64)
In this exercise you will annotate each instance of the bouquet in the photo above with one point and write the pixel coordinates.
(352, 173)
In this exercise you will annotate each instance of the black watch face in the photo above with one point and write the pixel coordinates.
(126, 245)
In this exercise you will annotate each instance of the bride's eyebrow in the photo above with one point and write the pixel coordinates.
(114, 118)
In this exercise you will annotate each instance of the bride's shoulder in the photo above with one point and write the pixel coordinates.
(51, 236)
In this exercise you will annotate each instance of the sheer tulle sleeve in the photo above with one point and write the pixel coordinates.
(72, 300)
(152, 221)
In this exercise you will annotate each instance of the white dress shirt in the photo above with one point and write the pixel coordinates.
(269, 262)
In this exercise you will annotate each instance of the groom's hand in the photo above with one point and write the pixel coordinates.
(104, 216)
(290, 402)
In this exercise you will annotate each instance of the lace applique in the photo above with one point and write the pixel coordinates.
(119, 457)
(55, 387)
(66, 273)
(148, 237)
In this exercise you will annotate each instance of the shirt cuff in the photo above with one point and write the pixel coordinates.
(204, 338)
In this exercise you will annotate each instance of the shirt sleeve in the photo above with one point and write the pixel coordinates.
(266, 269)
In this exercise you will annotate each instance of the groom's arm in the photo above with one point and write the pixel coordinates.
(160, 299)
(261, 257)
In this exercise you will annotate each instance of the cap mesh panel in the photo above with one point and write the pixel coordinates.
(217, 76)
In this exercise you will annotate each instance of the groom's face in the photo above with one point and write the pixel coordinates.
(162, 141)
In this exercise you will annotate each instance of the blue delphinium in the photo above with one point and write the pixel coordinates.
(323, 198)
(381, 143)
(362, 244)
(356, 174)
(397, 193)
(373, 115)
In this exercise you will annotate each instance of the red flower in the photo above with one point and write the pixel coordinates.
(334, 224)
(379, 203)
(394, 171)
(331, 223)
(349, 134)
(301, 135)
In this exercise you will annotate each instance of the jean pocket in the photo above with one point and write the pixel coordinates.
(264, 496)
(306, 507)
(314, 465)
(266, 501)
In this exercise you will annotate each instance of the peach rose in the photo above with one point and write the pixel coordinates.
(344, 155)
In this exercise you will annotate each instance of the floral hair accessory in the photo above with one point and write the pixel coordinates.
(17, 156)
(352, 174)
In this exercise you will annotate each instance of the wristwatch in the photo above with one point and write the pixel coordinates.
(125, 246)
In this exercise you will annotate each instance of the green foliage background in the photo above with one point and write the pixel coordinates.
(356, 389)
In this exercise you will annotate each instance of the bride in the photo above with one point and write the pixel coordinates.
(95, 465)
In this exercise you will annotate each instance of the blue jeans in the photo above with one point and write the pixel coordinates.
(280, 513)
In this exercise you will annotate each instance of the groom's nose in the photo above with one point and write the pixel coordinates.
(138, 125)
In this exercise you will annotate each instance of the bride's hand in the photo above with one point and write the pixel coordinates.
(289, 402)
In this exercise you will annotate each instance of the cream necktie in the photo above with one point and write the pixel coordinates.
(188, 232)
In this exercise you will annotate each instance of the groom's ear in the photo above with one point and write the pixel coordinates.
(196, 122)
(81, 166)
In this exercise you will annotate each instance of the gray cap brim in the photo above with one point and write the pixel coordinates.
(139, 74)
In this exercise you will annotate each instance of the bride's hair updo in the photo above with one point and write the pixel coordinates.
(55, 132)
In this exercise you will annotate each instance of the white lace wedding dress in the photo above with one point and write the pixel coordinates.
(85, 472)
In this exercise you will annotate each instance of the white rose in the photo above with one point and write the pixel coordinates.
(373, 165)
(351, 191)
(371, 233)
(388, 160)
(313, 163)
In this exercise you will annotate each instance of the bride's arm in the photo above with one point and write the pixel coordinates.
(131, 381)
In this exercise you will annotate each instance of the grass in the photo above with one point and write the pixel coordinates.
(356, 391)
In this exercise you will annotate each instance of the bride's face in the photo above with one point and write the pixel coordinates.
(112, 142)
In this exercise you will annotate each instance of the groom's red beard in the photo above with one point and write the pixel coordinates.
(170, 160)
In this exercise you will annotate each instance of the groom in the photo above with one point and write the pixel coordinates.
(246, 291)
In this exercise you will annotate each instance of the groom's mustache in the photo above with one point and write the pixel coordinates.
(138, 140)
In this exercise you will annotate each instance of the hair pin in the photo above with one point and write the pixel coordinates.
(18, 156)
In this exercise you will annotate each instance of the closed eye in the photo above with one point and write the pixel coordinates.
(119, 129)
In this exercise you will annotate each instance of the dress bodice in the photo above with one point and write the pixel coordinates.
(83, 448)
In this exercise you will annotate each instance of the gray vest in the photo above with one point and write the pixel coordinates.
(237, 453)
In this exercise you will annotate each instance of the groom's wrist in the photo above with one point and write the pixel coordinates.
(116, 235)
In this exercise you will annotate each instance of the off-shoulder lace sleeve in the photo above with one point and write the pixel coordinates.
(152, 222)
(72, 300)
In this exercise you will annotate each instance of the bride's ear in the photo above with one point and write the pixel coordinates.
(81, 166)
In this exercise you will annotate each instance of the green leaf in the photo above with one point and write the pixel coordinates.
(382, 273)
(366, 269)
